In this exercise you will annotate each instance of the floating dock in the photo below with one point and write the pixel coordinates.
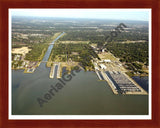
(51, 75)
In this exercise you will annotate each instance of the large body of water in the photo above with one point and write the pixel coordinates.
(84, 94)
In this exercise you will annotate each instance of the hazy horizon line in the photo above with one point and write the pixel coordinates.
(78, 18)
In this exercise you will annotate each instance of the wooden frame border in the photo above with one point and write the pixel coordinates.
(6, 4)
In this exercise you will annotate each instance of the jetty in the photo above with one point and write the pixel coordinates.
(99, 75)
(51, 75)
(58, 71)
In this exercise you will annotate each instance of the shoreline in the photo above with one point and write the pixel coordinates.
(140, 75)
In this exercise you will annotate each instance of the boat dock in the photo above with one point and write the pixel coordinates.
(99, 75)
(58, 71)
(55, 71)
(51, 75)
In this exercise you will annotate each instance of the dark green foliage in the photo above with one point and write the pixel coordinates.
(136, 65)
(130, 52)
(93, 36)
(17, 46)
(16, 64)
(35, 53)
(84, 53)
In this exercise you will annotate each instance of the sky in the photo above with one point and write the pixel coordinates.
(117, 14)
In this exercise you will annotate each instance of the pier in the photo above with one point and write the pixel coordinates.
(55, 71)
(99, 75)
(58, 71)
(51, 75)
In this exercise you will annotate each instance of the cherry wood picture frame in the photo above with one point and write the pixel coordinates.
(5, 5)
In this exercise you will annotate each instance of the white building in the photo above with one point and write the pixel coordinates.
(107, 61)
(23, 63)
(103, 66)
(103, 50)
(96, 68)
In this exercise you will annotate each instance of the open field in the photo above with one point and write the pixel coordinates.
(93, 45)
(74, 42)
(22, 50)
(69, 65)
(58, 58)
(107, 55)
(130, 41)
(115, 67)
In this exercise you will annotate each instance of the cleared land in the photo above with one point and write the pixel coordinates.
(107, 55)
(130, 41)
(74, 42)
(93, 45)
(22, 50)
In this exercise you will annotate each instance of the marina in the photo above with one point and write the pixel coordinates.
(121, 83)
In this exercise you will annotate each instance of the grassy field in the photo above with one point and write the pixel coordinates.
(130, 41)
(74, 42)
(22, 50)
(69, 65)
(107, 55)
(94, 45)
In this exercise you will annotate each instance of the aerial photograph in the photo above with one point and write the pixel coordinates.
(79, 61)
